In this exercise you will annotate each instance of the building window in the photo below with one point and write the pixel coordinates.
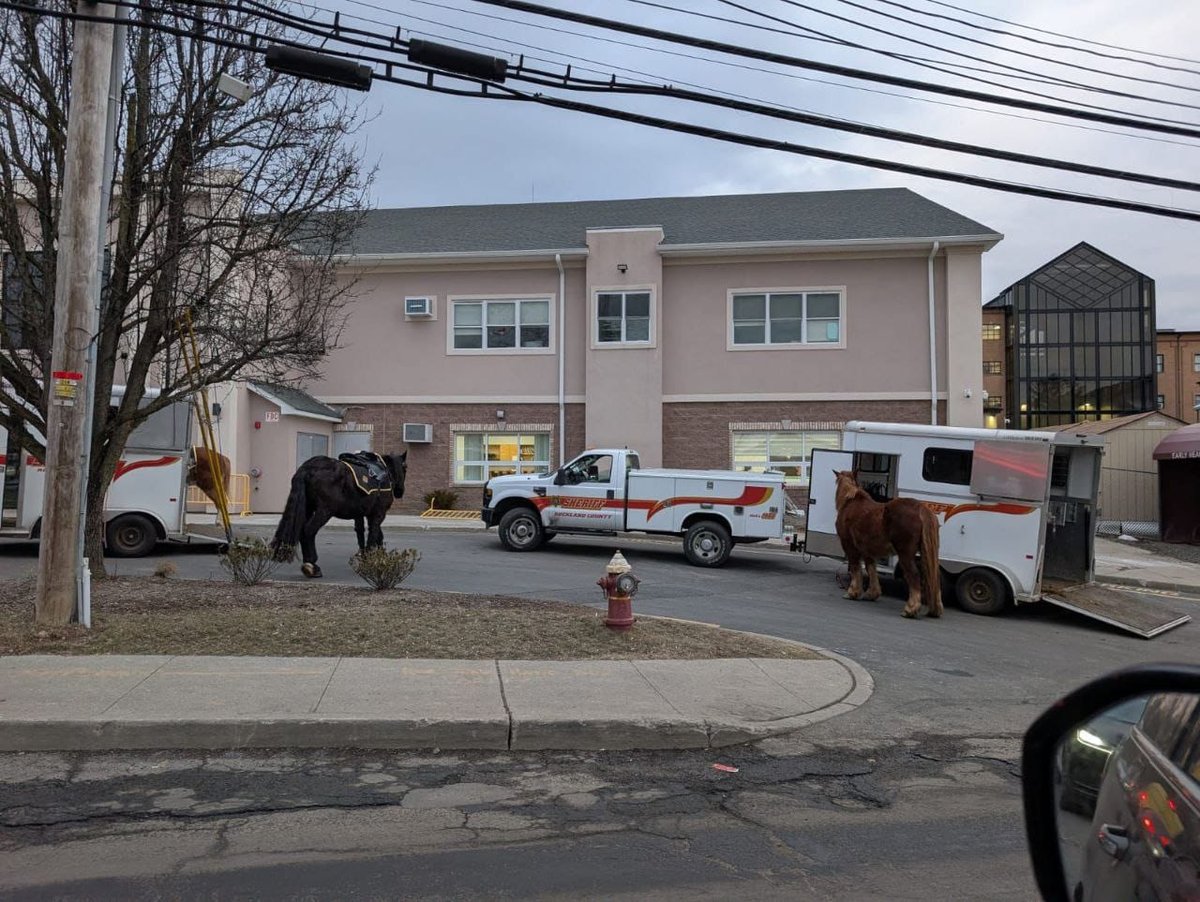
(1161, 402)
(948, 465)
(993, 331)
(1196, 363)
(993, 402)
(1196, 405)
(992, 367)
(478, 456)
(501, 325)
(623, 317)
(787, 318)
(1158, 363)
(789, 452)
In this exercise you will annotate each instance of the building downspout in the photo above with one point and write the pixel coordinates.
(933, 399)
(562, 352)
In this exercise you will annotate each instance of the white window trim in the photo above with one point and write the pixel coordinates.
(453, 299)
(480, 429)
(840, 345)
(594, 315)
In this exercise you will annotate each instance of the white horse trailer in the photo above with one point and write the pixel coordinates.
(1018, 513)
(146, 500)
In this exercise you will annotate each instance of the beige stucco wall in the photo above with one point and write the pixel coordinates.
(382, 356)
(964, 328)
(886, 353)
(624, 385)
(272, 449)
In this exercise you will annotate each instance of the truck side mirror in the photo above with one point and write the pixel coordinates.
(560, 476)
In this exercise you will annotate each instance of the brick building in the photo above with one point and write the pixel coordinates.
(1177, 368)
(734, 331)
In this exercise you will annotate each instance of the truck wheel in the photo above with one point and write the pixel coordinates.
(130, 535)
(981, 591)
(707, 544)
(521, 530)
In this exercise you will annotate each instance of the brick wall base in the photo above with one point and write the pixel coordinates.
(430, 465)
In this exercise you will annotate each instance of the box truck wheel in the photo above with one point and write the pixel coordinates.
(981, 591)
(130, 535)
(521, 530)
(707, 544)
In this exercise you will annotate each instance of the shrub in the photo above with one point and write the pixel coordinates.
(249, 561)
(384, 568)
(441, 499)
(165, 570)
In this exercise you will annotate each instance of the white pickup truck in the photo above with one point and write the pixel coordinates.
(606, 492)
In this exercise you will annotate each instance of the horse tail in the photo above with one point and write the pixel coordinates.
(295, 513)
(930, 569)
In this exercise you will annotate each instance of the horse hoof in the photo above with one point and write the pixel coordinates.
(911, 615)
(874, 597)
(852, 597)
(312, 571)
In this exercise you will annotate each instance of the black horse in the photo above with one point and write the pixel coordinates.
(323, 488)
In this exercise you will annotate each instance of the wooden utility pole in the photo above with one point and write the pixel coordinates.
(77, 280)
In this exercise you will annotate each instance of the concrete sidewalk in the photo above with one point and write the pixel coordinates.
(1124, 563)
(152, 702)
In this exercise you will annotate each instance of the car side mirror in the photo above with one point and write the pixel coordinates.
(1110, 777)
(560, 476)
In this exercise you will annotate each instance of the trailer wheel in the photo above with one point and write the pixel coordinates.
(981, 591)
(130, 535)
(707, 544)
(521, 530)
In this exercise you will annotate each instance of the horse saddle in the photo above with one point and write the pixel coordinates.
(370, 473)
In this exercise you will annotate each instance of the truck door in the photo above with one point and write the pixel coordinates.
(590, 496)
(821, 532)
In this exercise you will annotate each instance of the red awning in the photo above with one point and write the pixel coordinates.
(1182, 444)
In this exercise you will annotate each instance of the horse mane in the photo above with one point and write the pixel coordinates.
(848, 489)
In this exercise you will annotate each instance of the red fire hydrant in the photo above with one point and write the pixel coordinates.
(619, 586)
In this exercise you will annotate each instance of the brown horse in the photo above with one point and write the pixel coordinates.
(203, 472)
(869, 530)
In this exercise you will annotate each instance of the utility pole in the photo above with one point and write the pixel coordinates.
(76, 282)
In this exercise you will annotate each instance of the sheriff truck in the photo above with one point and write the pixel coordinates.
(606, 492)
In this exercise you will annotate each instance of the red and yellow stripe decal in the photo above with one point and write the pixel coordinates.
(1003, 507)
(124, 466)
(751, 496)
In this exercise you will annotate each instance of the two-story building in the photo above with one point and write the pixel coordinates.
(732, 331)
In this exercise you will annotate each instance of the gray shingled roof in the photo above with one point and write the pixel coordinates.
(879, 213)
(294, 397)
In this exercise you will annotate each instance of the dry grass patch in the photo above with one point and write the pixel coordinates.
(192, 617)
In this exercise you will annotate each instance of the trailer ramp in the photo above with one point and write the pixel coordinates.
(1129, 610)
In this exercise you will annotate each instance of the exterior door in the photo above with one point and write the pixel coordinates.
(591, 499)
(350, 441)
(310, 444)
(820, 537)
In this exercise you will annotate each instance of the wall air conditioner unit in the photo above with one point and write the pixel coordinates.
(418, 432)
(418, 308)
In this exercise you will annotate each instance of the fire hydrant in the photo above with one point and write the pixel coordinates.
(619, 586)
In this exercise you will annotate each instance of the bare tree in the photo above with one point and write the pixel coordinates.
(232, 211)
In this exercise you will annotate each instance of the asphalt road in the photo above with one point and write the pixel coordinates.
(914, 795)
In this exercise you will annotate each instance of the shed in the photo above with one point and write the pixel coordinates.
(1178, 457)
(1128, 475)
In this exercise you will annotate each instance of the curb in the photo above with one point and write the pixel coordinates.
(501, 733)
(1181, 589)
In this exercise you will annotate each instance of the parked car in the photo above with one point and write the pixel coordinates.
(1087, 751)
(1147, 816)
(1143, 841)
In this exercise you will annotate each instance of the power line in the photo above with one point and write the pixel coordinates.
(491, 91)
(1038, 56)
(833, 69)
(1056, 34)
(1055, 80)
(731, 64)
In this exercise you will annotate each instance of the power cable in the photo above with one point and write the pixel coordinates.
(961, 37)
(1057, 34)
(833, 69)
(492, 91)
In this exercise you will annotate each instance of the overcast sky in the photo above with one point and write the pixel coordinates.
(434, 149)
